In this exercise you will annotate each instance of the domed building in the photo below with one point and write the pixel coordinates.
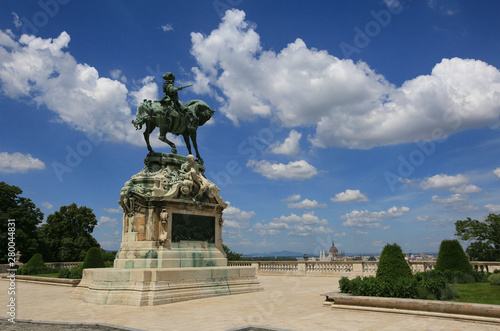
(333, 250)
(333, 254)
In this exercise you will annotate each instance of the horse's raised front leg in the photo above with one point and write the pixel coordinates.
(195, 145)
(163, 137)
(188, 143)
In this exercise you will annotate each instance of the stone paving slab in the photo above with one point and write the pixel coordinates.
(292, 303)
(35, 326)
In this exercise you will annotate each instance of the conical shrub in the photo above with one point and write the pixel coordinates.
(452, 257)
(392, 264)
(93, 259)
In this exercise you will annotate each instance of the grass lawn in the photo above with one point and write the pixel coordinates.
(479, 293)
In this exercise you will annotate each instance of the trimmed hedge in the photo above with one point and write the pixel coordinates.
(378, 287)
(35, 266)
(93, 259)
(494, 279)
(392, 264)
(73, 273)
(424, 285)
(451, 256)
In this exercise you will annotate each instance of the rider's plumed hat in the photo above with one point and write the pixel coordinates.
(169, 76)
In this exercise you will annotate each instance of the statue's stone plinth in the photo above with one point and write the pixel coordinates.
(171, 247)
(157, 286)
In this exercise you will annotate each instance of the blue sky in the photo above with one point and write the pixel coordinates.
(363, 122)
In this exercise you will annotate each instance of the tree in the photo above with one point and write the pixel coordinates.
(232, 256)
(485, 236)
(481, 251)
(27, 217)
(451, 256)
(392, 264)
(67, 233)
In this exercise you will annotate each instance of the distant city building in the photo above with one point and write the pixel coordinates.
(333, 254)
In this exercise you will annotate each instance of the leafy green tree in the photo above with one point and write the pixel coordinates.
(232, 256)
(27, 216)
(451, 256)
(68, 233)
(108, 256)
(485, 236)
(481, 251)
(392, 264)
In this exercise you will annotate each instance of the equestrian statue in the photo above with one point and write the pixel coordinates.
(171, 115)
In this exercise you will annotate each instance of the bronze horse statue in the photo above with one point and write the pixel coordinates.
(158, 114)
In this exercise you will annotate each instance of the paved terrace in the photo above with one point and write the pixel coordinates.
(292, 303)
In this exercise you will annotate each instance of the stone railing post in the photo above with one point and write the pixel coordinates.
(256, 265)
(357, 268)
(301, 268)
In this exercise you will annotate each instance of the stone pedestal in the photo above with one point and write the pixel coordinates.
(171, 246)
(157, 286)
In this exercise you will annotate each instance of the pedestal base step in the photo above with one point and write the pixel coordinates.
(151, 287)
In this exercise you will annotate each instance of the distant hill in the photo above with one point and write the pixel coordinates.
(298, 254)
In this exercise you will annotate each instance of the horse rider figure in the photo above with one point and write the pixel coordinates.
(171, 100)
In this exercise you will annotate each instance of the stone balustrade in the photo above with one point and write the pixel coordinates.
(58, 265)
(341, 268)
(485, 266)
(313, 268)
(61, 265)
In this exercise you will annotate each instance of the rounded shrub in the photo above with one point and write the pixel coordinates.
(36, 261)
(35, 265)
(494, 279)
(392, 264)
(451, 256)
(76, 272)
(64, 273)
(93, 259)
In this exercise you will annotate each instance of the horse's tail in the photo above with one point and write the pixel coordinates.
(142, 116)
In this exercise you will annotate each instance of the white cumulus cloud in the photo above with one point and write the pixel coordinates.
(496, 172)
(443, 182)
(451, 199)
(17, 162)
(167, 27)
(466, 189)
(349, 196)
(233, 213)
(293, 197)
(47, 205)
(295, 225)
(370, 219)
(113, 210)
(107, 221)
(289, 147)
(41, 70)
(493, 208)
(306, 218)
(294, 170)
(349, 103)
(456, 202)
(17, 21)
(306, 204)
(149, 90)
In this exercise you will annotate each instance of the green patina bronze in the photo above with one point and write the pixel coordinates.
(171, 115)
